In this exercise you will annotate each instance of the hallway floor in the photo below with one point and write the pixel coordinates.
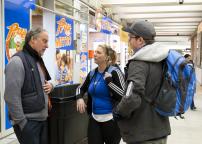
(184, 131)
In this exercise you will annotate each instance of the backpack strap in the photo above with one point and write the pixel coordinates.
(183, 87)
(108, 69)
(164, 69)
(93, 73)
(164, 76)
(111, 68)
(148, 100)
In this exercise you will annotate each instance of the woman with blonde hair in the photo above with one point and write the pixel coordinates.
(104, 90)
(113, 58)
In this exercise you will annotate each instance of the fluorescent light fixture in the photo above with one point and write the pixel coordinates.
(181, 1)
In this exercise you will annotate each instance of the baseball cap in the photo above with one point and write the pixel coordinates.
(141, 28)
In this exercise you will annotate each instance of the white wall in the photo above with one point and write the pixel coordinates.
(49, 25)
(123, 47)
(76, 63)
(198, 75)
(49, 55)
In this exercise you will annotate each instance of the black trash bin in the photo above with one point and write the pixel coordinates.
(66, 125)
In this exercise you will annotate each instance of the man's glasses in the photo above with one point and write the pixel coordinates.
(131, 36)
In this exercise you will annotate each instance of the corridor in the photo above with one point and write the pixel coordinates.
(184, 131)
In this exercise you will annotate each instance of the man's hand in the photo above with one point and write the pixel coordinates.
(116, 115)
(47, 87)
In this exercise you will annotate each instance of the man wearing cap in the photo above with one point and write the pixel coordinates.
(138, 121)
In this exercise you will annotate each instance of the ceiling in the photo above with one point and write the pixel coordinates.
(170, 18)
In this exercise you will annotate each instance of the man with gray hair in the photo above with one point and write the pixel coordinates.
(27, 89)
(138, 121)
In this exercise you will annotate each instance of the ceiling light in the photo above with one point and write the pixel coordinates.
(181, 1)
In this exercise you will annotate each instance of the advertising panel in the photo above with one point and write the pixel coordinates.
(83, 65)
(103, 24)
(106, 25)
(64, 50)
(17, 23)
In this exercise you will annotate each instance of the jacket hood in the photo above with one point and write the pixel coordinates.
(155, 52)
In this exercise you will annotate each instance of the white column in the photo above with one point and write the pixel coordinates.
(49, 25)
(76, 70)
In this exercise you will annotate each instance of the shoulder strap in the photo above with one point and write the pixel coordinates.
(93, 73)
(111, 68)
(108, 69)
(164, 70)
(148, 100)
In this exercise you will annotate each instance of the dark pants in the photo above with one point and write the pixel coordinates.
(34, 132)
(103, 132)
(158, 141)
(192, 104)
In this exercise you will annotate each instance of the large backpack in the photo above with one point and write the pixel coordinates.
(177, 87)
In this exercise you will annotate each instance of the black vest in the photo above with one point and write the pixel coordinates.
(32, 91)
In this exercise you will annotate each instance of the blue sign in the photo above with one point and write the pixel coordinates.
(18, 4)
(83, 65)
(64, 33)
(106, 25)
(17, 22)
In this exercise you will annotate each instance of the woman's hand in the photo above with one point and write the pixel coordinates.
(80, 105)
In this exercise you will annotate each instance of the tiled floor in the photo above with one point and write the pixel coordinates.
(184, 131)
(11, 139)
(188, 130)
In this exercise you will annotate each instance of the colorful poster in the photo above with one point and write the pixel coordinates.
(17, 22)
(106, 25)
(83, 65)
(15, 39)
(64, 50)
(64, 33)
(64, 66)
(103, 24)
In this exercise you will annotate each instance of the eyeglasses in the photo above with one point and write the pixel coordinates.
(136, 37)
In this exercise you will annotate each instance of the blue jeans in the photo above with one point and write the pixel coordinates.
(34, 132)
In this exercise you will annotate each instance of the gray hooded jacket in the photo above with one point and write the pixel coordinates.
(141, 122)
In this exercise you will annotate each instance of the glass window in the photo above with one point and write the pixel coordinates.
(84, 13)
(64, 6)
